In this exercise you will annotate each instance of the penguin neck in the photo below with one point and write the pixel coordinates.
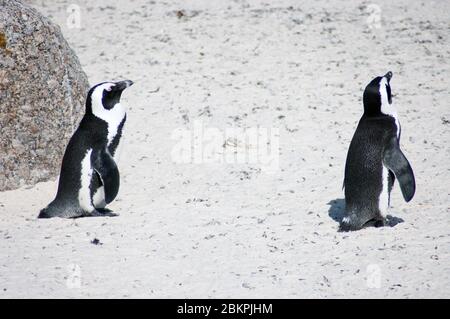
(383, 111)
(389, 109)
(113, 118)
(377, 109)
(380, 112)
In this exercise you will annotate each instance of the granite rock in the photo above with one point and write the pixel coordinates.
(42, 93)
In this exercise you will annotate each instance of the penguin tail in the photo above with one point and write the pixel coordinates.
(61, 210)
(51, 211)
(45, 214)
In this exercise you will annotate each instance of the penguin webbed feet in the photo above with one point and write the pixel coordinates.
(107, 212)
(348, 224)
(101, 212)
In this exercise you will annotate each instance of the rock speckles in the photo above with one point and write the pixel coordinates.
(42, 92)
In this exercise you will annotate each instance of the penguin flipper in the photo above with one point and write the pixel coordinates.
(396, 161)
(107, 170)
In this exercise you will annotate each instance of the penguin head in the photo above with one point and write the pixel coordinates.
(105, 96)
(378, 97)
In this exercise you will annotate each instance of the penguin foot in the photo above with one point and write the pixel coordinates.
(393, 221)
(380, 223)
(353, 224)
(107, 212)
(101, 213)
(104, 210)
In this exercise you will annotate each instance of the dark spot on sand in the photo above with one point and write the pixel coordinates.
(180, 14)
(96, 241)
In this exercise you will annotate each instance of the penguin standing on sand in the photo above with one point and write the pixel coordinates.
(375, 160)
(89, 178)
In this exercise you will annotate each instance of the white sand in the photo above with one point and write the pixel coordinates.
(198, 230)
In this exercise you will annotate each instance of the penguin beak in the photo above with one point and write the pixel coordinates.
(388, 76)
(122, 85)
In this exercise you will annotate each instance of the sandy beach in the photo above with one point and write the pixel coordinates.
(218, 229)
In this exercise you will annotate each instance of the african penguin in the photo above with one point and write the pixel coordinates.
(374, 161)
(89, 178)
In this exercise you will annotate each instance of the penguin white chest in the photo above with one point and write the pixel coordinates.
(383, 200)
(84, 194)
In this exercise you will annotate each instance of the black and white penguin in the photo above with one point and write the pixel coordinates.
(374, 161)
(89, 178)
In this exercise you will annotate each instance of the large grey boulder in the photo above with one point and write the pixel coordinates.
(42, 92)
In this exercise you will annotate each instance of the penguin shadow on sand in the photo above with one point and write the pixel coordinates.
(337, 213)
